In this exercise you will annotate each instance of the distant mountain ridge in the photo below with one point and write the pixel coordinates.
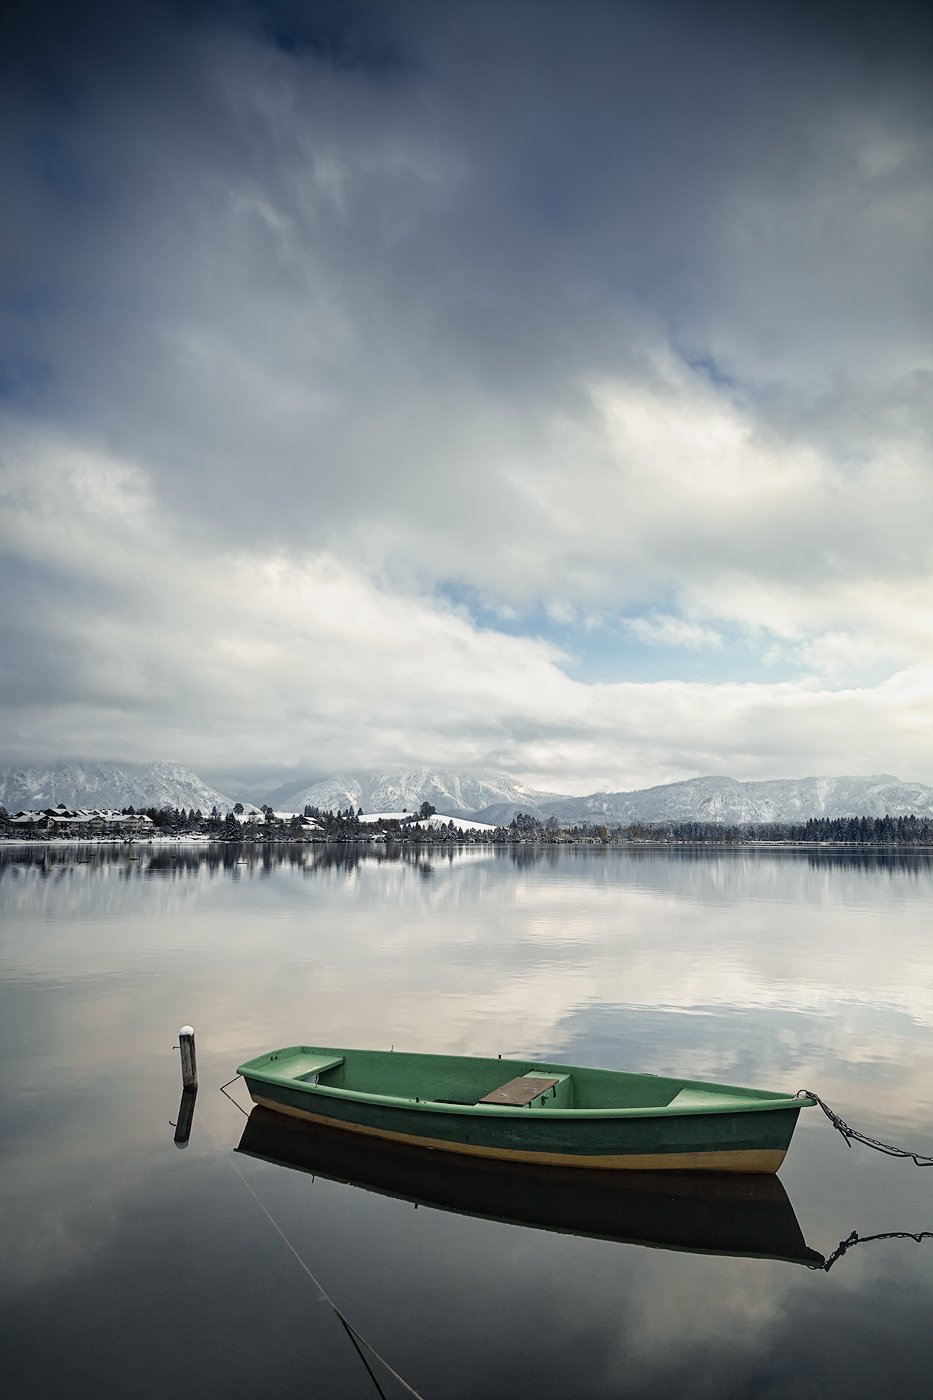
(401, 789)
(111, 785)
(726, 800)
(491, 797)
(497, 798)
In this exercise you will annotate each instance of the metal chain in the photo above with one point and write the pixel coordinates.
(853, 1135)
(855, 1238)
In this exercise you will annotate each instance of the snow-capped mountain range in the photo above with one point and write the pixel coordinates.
(111, 785)
(457, 794)
(489, 797)
(775, 800)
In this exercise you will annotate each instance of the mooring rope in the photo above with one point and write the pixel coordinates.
(845, 1245)
(322, 1291)
(853, 1135)
(223, 1090)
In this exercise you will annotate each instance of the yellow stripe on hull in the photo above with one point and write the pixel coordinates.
(751, 1161)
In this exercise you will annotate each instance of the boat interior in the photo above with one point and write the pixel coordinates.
(464, 1081)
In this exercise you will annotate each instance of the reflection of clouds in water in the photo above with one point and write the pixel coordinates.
(487, 951)
(67, 1180)
(757, 1041)
(872, 1063)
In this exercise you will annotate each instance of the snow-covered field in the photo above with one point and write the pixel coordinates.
(461, 823)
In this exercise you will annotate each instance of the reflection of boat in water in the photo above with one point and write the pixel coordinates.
(703, 1212)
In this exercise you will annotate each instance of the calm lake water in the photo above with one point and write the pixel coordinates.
(130, 1267)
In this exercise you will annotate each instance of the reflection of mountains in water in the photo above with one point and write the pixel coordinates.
(704, 1213)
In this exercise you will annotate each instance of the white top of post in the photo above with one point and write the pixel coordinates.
(186, 1030)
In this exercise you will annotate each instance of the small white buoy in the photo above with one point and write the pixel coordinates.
(189, 1063)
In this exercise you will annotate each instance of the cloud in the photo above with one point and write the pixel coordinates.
(664, 630)
(322, 320)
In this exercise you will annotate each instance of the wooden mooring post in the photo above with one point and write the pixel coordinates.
(189, 1063)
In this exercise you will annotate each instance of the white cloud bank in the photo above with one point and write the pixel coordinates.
(267, 656)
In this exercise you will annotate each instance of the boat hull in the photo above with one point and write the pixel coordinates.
(750, 1133)
(615, 1151)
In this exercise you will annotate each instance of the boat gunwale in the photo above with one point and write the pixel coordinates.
(763, 1101)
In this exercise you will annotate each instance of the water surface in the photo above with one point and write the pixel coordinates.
(131, 1267)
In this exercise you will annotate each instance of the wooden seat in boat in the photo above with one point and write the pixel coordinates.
(520, 1092)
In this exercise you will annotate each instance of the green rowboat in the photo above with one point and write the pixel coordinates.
(529, 1111)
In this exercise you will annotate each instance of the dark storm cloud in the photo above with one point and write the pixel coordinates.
(320, 260)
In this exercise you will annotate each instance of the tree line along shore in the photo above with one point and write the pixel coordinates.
(424, 827)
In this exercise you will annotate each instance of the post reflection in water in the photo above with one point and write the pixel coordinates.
(774, 968)
(185, 1117)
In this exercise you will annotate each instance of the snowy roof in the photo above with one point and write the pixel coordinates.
(63, 815)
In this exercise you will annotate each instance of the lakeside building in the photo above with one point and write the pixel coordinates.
(80, 822)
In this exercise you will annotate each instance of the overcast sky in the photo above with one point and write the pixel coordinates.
(503, 384)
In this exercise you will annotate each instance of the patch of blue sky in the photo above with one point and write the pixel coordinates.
(709, 367)
(616, 651)
(655, 644)
(741, 390)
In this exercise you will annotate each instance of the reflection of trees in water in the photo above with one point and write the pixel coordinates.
(140, 861)
(876, 862)
(169, 862)
(526, 856)
(822, 858)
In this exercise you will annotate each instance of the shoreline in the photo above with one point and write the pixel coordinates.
(195, 839)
